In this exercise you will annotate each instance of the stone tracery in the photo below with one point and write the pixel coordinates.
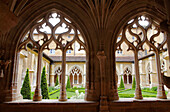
(50, 25)
(145, 31)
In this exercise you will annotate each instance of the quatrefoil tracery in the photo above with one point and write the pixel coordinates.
(54, 27)
(144, 31)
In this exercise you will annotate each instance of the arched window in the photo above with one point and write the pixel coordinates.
(51, 33)
(76, 73)
(145, 32)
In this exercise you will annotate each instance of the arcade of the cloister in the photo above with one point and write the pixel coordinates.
(93, 43)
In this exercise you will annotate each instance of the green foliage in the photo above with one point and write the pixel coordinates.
(53, 92)
(149, 91)
(122, 95)
(134, 83)
(73, 90)
(122, 86)
(68, 83)
(75, 87)
(56, 83)
(44, 87)
(26, 88)
(154, 88)
(146, 88)
(50, 89)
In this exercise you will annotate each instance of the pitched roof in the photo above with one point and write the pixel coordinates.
(69, 58)
(125, 59)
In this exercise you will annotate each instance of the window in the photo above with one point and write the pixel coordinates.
(63, 26)
(133, 38)
(68, 51)
(140, 27)
(52, 51)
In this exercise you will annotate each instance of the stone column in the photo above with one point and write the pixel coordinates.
(138, 93)
(103, 98)
(52, 74)
(31, 71)
(167, 4)
(16, 80)
(160, 92)
(77, 78)
(66, 78)
(84, 76)
(84, 80)
(63, 96)
(73, 78)
(153, 76)
(24, 68)
(127, 78)
(121, 73)
(37, 95)
(35, 72)
(166, 57)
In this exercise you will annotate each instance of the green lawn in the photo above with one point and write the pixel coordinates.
(130, 93)
(57, 94)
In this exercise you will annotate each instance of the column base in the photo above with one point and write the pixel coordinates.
(37, 98)
(161, 92)
(113, 95)
(63, 96)
(104, 104)
(90, 95)
(62, 99)
(37, 95)
(138, 94)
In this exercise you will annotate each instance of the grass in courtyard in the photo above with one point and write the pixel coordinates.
(57, 94)
(129, 93)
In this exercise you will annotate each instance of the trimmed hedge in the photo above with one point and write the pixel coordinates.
(122, 86)
(73, 90)
(44, 87)
(124, 90)
(150, 91)
(26, 88)
(56, 83)
(134, 83)
(154, 88)
(132, 95)
(53, 92)
(68, 83)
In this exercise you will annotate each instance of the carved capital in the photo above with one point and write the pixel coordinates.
(3, 66)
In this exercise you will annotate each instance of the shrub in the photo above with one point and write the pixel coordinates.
(44, 88)
(75, 87)
(122, 95)
(146, 88)
(122, 86)
(134, 83)
(56, 83)
(154, 88)
(50, 89)
(68, 83)
(26, 88)
(149, 91)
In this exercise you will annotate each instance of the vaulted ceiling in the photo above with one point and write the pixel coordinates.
(99, 11)
(96, 18)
